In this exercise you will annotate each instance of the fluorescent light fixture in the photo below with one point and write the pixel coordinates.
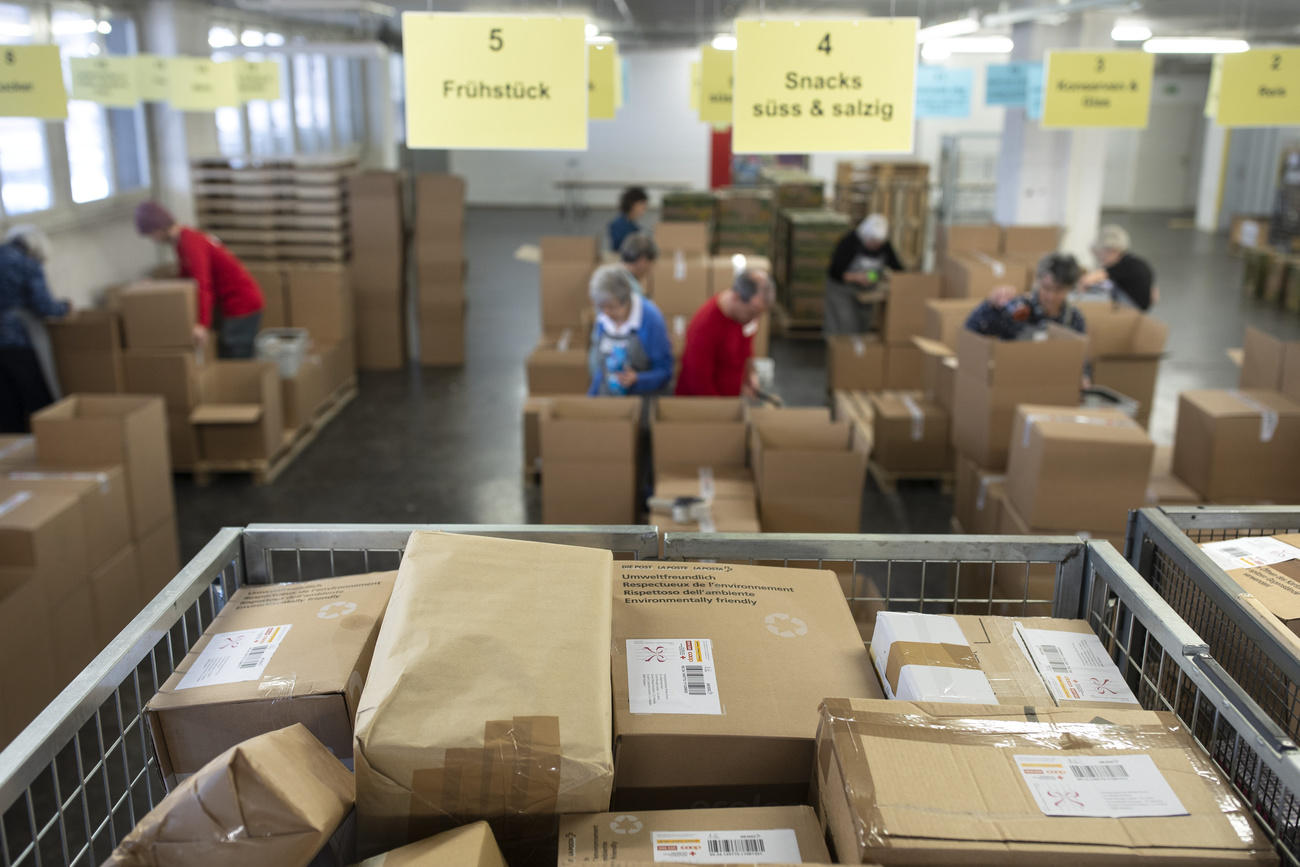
(105, 27)
(591, 30)
(274, 40)
(1130, 32)
(600, 40)
(1050, 14)
(958, 27)
(724, 42)
(76, 27)
(10, 30)
(252, 39)
(941, 49)
(1194, 45)
(222, 37)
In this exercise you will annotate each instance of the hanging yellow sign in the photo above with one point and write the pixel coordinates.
(695, 86)
(715, 85)
(31, 82)
(110, 81)
(495, 81)
(602, 70)
(200, 84)
(824, 85)
(1091, 88)
(1260, 88)
(257, 79)
(153, 77)
(1216, 81)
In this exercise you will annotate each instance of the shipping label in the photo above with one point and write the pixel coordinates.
(672, 675)
(1113, 787)
(773, 846)
(235, 657)
(1074, 666)
(1249, 552)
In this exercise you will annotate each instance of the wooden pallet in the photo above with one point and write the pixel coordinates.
(264, 471)
(237, 205)
(222, 221)
(785, 325)
(888, 481)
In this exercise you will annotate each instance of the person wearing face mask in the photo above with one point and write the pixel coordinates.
(720, 339)
(630, 349)
(857, 266)
(1010, 315)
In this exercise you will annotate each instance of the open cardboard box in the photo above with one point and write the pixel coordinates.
(241, 415)
(698, 432)
(810, 474)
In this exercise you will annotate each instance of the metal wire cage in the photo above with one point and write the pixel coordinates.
(83, 773)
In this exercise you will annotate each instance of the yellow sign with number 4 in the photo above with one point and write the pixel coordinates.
(1260, 88)
(824, 85)
(495, 81)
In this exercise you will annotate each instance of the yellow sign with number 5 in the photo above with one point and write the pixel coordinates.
(31, 82)
(1260, 88)
(495, 81)
(824, 85)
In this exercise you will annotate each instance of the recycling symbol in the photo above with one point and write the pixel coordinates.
(335, 610)
(625, 825)
(785, 626)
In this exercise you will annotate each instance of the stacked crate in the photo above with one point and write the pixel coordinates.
(689, 206)
(379, 268)
(900, 191)
(440, 268)
(805, 241)
(744, 222)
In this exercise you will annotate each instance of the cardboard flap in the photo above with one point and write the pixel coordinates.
(226, 413)
(689, 409)
(932, 348)
(569, 248)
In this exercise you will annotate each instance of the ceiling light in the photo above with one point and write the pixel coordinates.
(11, 30)
(105, 27)
(1051, 14)
(92, 49)
(274, 40)
(937, 49)
(75, 27)
(222, 37)
(1130, 32)
(959, 27)
(1194, 45)
(252, 38)
(592, 30)
(724, 42)
(599, 40)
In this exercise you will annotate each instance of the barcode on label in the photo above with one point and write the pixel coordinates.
(1055, 658)
(736, 846)
(1237, 552)
(1099, 772)
(254, 656)
(695, 683)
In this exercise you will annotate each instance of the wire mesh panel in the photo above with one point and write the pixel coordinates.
(1162, 659)
(83, 773)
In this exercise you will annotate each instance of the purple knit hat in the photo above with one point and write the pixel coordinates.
(150, 217)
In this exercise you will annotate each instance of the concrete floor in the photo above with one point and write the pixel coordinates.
(443, 446)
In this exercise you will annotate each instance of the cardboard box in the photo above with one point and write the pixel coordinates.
(904, 367)
(854, 362)
(564, 293)
(589, 450)
(975, 804)
(467, 846)
(1072, 467)
(975, 275)
(159, 314)
(307, 647)
(750, 626)
(378, 232)
(698, 432)
(570, 248)
(716, 483)
(442, 333)
(977, 498)
(41, 539)
(810, 475)
(539, 723)
(683, 237)
(303, 394)
(791, 834)
(182, 440)
(87, 348)
(559, 364)
(681, 284)
(115, 593)
(1268, 592)
(17, 451)
(320, 300)
(339, 361)
(994, 376)
(534, 409)
(1269, 363)
(272, 800)
(104, 506)
(905, 313)
(722, 272)
(1125, 347)
(157, 552)
(1166, 489)
(90, 432)
(73, 639)
(440, 272)
(439, 196)
(172, 375)
(1235, 445)
(945, 319)
(1031, 240)
(972, 237)
(939, 371)
(381, 332)
(910, 434)
(241, 417)
(26, 633)
(269, 277)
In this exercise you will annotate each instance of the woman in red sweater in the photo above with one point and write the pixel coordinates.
(227, 292)
(720, 339)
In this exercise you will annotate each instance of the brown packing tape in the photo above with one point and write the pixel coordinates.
(903, 653)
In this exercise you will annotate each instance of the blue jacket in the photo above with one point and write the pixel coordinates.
(619, 228)
(22, 285)
(653, 336)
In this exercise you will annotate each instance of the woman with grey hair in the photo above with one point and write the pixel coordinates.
(858, 266)
(1123, 276)
(630, 349)
(25, 385)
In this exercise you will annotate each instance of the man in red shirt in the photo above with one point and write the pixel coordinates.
(720, 339)
(225, 286)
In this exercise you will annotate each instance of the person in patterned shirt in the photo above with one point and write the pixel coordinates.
(1012, 316)
(25, 299)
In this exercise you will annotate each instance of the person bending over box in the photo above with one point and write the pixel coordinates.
(720, 339)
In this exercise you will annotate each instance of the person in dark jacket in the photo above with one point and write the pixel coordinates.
(632, 205)
(1010, 315)
(1126, 278)
(857, 266)
(24, 298)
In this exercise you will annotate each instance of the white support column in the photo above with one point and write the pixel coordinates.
(1209, 188)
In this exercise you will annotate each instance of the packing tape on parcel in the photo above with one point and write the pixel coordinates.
(14, 502)
(679, 266)
(903, 653)
(918, 417)
(562, 344)
(707, 487)
(983, 495)
(995, 265)
(16, 446)
(1267, 415)
(99, 478)
(1034, 418)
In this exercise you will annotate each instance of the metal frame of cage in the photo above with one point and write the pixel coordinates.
(82, 774)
